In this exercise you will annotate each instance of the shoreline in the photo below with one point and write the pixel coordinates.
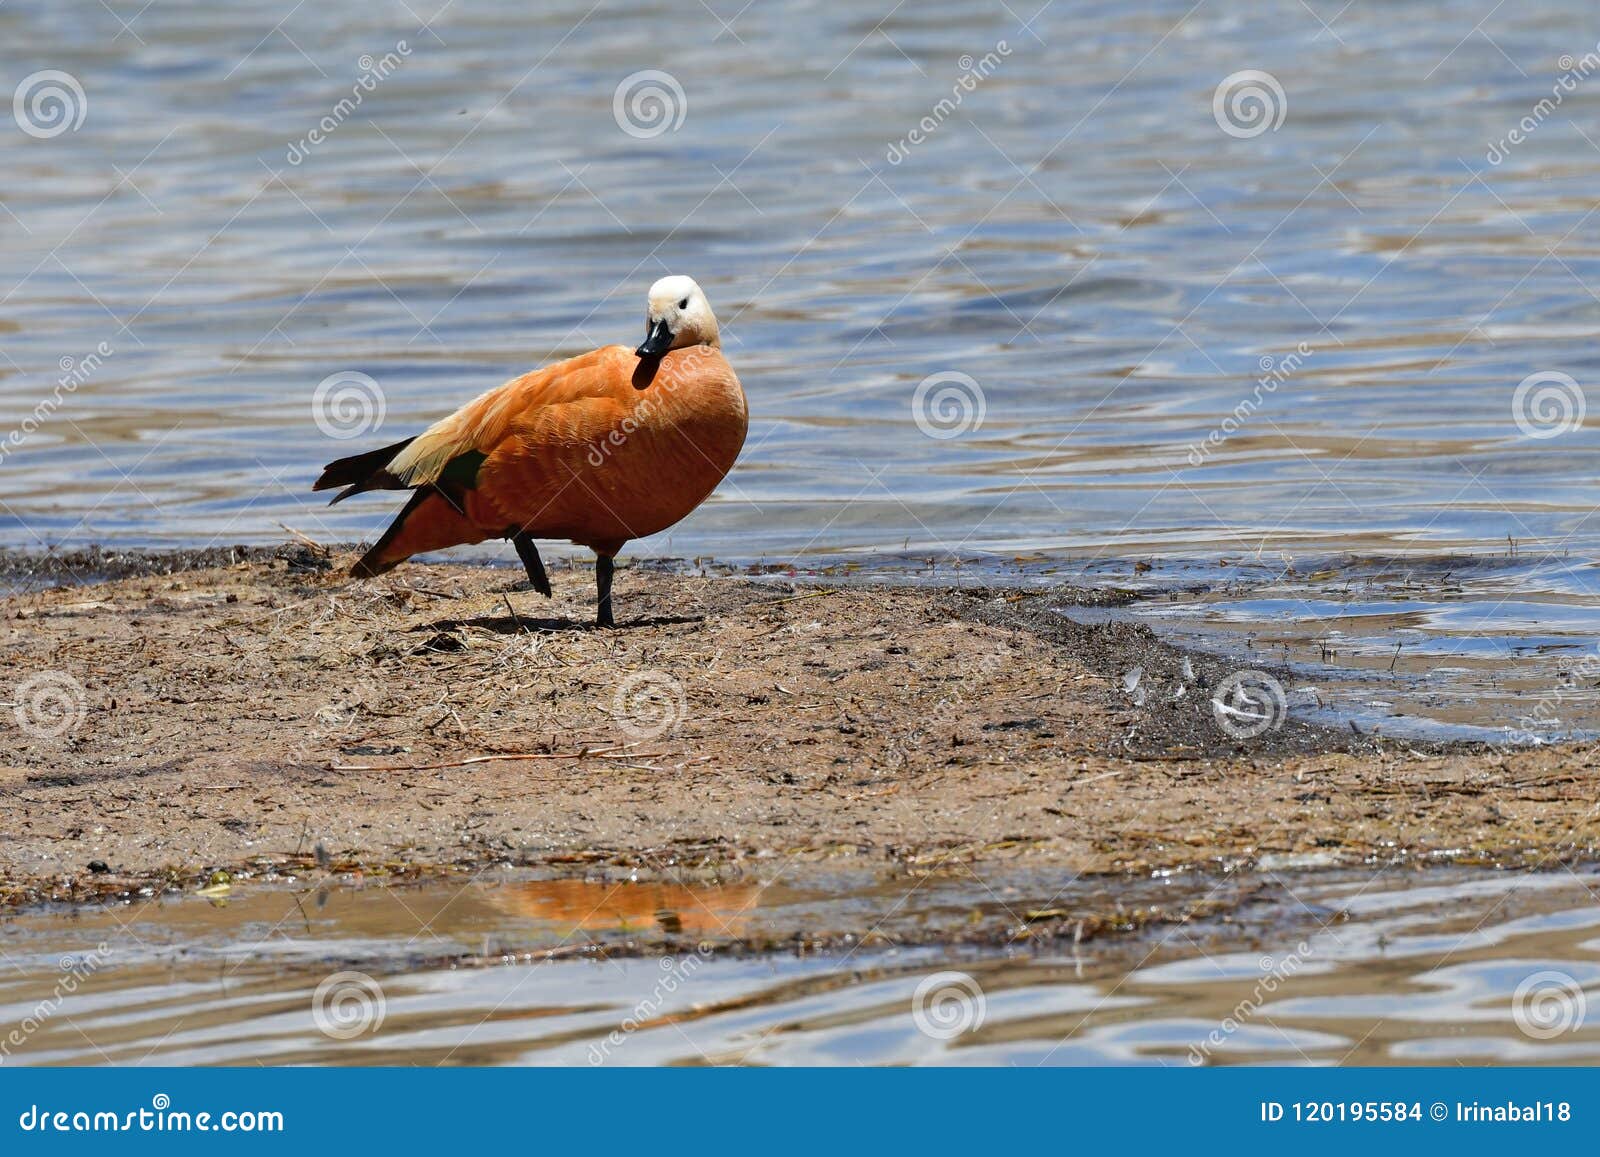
(267, 716)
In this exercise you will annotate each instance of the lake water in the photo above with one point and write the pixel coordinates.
(1370, 967)
(1079, 236)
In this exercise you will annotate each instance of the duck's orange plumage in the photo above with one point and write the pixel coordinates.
(603, 448)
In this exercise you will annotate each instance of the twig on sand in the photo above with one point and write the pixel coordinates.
(621, 752)
(305, 538)
(432, 594)
(1093, 779)
(797, 598)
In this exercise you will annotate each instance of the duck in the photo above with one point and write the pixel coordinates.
(601, 449)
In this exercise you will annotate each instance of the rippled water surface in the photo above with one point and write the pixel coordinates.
(1078, 235)
(1353, 968)
(1496, 649)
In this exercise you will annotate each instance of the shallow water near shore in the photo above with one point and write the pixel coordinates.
(1497, 650)
(1082, 239)
(1328, 968)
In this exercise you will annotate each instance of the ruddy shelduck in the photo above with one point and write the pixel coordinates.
(606, 447)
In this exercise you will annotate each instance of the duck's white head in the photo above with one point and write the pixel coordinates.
(678, 315)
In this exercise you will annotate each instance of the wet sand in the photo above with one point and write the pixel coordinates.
(266, 716)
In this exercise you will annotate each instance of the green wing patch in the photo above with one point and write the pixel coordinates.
(461, 472)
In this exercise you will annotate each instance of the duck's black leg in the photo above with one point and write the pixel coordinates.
(602, 577)
(529, 554)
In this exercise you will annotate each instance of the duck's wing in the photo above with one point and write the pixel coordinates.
(457, 443)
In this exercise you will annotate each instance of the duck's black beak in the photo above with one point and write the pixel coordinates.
(657, 341)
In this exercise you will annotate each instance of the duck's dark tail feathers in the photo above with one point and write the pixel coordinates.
(362, 472)
(430, 521)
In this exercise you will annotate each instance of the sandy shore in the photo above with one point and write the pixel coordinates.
(268, 714)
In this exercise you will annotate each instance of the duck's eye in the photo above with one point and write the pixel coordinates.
(684, 304)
